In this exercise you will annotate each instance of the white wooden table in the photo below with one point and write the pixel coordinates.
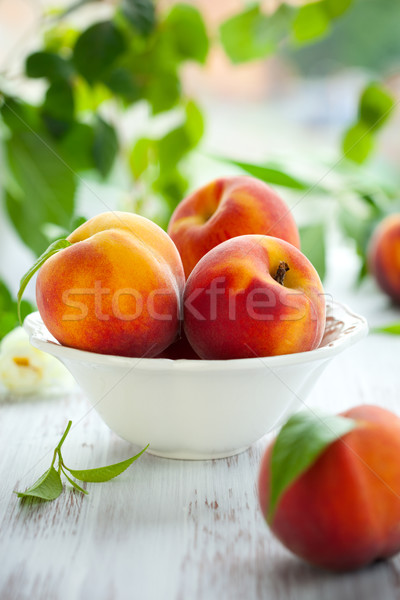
(170, 529)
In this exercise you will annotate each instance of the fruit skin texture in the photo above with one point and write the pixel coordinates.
(226, 208)
(234, 308)
(135, 263)
(384, 256)
(343, 513)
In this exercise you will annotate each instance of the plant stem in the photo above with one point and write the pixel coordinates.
(60, 443)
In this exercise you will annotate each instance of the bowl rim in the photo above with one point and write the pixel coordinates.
(357, 328)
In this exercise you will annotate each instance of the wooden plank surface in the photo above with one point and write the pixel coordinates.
(167, 529)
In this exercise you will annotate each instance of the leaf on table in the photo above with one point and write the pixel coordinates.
(312, 239)
(104, 473)
(47, 487)
(75, 484)
(299, 443)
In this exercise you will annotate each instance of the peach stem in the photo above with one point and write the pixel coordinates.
(281, 272)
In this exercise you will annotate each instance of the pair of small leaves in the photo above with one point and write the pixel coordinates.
(300, 442)
(49, 486)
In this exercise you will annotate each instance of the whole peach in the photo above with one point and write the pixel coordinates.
(226, 208)
(116, 290)
(343, 511)
(253, 295)
(384, 256)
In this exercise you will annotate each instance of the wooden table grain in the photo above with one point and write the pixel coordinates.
(170, 529)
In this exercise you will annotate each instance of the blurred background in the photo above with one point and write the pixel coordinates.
(130, 105)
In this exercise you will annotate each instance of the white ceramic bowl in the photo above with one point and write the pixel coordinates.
(199, 409)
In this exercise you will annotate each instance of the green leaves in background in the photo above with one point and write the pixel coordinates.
(105, 146)
(140, 14)
(97, 49)
(252, 34)
(49, 486)
(47, 64)
(54, 248)
(272, 174)
(376, 105)
(9, 310)
(187, 32)
(41, 187)
(300, 442)
(313, 246)
(157, 160)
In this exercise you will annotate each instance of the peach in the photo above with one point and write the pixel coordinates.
(384, 256)
(226, 208)
(116, 290)
(343, 511)
(253, 295)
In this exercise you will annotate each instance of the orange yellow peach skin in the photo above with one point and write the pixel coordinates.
(116, 290)
(226, 208)
(234, 307)
(344, 511)
(384, 256)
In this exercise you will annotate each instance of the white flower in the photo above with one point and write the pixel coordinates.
(26, 370)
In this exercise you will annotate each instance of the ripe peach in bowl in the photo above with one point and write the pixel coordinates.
(200, 409)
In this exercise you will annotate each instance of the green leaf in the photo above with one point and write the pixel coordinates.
(97, 49)
(8, 322)
(47, 64)
(194, 124)
(51, 250)
(392, 329)
(335, 8)
(300, 442)
(5, 297)
(74, 484)
(143, 154)
(45, 185)
(270, 174)
(163, 92)
(252, 35)
(122, 82)
(358, 143)
(104, 473)
(311, 22)
(376, 106)
(58, 107)
(140, 14)
(77, 147)
(47, 487)
(313, 246)
(188, 32)
(105, 146)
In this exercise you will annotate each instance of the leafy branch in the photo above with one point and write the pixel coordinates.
(49, 486)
